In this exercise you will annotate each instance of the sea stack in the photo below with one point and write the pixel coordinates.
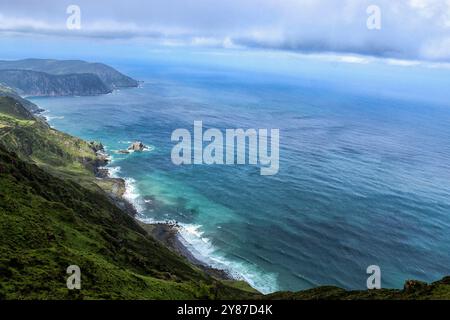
(137, 146)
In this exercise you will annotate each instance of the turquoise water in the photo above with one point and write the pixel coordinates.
(364, 168)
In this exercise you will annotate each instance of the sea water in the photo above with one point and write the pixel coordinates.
(364, 167)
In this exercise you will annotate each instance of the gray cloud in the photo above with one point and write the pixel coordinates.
(411, 29)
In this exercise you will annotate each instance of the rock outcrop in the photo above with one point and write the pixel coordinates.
(137, 146)
(97, 146)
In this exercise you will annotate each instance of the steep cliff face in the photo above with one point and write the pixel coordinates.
(36, 83)
(111, 78)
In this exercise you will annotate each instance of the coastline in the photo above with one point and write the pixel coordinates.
(181, 238)
(166, 232)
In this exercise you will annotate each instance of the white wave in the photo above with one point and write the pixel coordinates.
(202, 249)
(50, 118)
(114, 171)
(149, 148)
(132, 195)
(148, 220)
(191, 236)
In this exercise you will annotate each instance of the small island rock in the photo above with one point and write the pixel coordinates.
(137, 146)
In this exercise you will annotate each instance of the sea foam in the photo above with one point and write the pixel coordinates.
(202, 249)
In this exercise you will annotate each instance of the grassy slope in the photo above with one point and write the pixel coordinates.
(439, 290)
(33, 140)
(52, 215)
(48, 224)
(8, 92)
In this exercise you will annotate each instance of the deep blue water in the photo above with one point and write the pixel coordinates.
(364, 168)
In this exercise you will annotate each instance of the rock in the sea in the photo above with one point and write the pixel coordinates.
(123, 151)
(137, 146)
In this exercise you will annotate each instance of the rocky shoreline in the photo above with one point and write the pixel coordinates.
(167, 233)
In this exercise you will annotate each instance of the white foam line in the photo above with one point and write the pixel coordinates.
(132, 195)
(192, 237)
(113, 171)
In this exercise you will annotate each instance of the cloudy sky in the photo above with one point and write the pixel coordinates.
(410, 29)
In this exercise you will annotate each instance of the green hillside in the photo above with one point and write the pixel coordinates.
(8, 92)
(14, 109)
(34, 141)
(48, 224)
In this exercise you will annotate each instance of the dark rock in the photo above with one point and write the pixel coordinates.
(97, 146)
(125, 206)
(137, 146)
(102, 173)
(445, 280)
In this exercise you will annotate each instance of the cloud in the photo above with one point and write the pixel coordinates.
(402, 63)
(411, 29)
(353, 59)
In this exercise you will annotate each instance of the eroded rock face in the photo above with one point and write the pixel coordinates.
(97, 146)
(137, 146)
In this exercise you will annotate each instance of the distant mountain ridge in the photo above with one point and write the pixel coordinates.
(47, 77)
(110, 76)
(35, 83)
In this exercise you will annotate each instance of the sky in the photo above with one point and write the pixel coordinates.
(410, 29)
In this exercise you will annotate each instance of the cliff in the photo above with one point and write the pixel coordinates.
(34, 83)
(110, 77)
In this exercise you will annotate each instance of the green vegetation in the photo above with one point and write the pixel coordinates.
(48, 224)
(53, 214)
(9, 107)
(33, 140)
(413, 290)
(8, 92)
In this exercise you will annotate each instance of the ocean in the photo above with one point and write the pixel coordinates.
(364, 166)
